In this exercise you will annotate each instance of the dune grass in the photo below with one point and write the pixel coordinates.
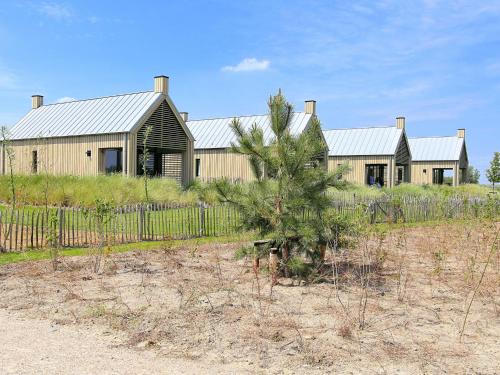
(75, 191)
(83, 191)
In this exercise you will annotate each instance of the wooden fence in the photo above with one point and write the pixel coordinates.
(39, 227)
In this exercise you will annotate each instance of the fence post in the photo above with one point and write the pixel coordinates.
(201, 205)
(141, 222)
(60, 218)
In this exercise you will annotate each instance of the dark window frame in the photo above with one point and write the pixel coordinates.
(34, 161)
(197, 167)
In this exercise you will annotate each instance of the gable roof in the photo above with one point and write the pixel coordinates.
(363, 141)
(436, 148)
(216, 133)
(111, 114)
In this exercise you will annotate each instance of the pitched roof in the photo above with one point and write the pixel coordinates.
(111, 114)
(363, 141)
(216, 133)
(436, 148)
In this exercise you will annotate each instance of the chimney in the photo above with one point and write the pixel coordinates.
(161, 84)
(36, 101)
(310, 107)
(184, 116)
(400, 122)
(461, 133)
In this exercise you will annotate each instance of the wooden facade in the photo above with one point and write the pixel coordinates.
(449, 154)
(212, 164)
(169, 144)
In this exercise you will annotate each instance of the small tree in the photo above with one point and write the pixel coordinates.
(8, 159)
(493, 172)
(472, 175)
(145, 157)
(288, 200)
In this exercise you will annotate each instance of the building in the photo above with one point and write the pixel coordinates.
(105, 135)
(434, 157)
(213, 158)
(375, 155)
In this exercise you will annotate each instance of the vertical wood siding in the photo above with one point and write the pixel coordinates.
(419, 177)
(218, 163)
(357, 174)
(66, 155)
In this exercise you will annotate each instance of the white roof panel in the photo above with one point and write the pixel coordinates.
(216, 133)
(436, 148)
(363, 141)
(112, 114)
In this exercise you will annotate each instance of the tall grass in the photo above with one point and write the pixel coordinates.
(84, 191)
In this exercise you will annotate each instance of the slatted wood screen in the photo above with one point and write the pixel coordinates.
(167, 132)
(172, 166)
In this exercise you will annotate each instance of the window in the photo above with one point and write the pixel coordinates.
(375, 174)
(34, 161)
(197, 168)
(112, 158)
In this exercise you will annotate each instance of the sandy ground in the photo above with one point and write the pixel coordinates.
(397, 305)
(54, 349)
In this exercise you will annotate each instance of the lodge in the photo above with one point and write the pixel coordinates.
(105, 135)
(213, 158)
(434, 157)
(375, 155)
(110, 135)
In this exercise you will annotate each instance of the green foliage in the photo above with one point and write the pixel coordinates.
(83, 191)
(299, 267)
(472, 175)
(288, 198)
(493, 172)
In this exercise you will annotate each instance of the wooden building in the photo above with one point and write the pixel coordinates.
(104, 135)
(375, 155)
(213, 158)
(433, 157)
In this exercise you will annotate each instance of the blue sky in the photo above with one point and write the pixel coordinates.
(435, 62)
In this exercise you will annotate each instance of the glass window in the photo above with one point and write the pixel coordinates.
(34, 161)
(113, 160)
(197, 169)
(375, 174)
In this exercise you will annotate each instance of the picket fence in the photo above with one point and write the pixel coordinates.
(40, 227)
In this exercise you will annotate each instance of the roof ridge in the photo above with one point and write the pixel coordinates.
(435, 136)
(96, 98)
(228, 117)
(363, 127)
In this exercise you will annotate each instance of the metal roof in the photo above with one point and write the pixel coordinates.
(363, 141)
(216, 133)
(112, 114)
(436, 148)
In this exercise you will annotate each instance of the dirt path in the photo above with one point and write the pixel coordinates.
(41, 347)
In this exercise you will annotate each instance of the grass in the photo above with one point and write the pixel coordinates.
(75, 191)
(34, 255)
(410, 190)
(83, 191)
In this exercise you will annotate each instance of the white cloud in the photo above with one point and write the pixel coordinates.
(55, 11)
(247, 65)
(65, 99)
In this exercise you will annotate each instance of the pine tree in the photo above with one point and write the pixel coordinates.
(288, 200)
(493, 172)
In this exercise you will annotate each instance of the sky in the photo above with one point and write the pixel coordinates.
(365, 62)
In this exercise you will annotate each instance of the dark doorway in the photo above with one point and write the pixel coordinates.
(375, 174)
